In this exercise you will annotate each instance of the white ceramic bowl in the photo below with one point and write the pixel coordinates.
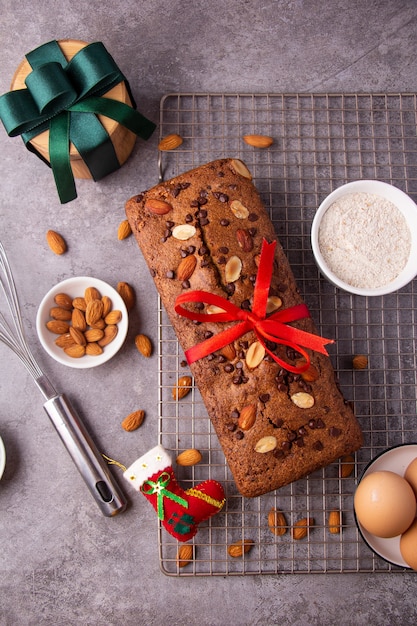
(396, 460)
(407, 207)
(2, 457)
(75, 287)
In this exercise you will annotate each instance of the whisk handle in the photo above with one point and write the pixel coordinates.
(85, 455)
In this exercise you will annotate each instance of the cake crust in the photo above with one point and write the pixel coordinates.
(219, 211)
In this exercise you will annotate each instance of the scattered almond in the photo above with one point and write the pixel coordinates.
(238, 167)
(301, 528)
(239, 210)
(56, 242)
(335, 522)
(144, 345)
(186, 267)
(189, 457)
(303, 400)
(266, 444)
(127, 294)
(360, 362)
(158, 207)
(229, 352)
(255, 355)
(183, 232)
(258, 141)
(347, 465)
(233, 269)
(185, 554)
(170, 142)
(133, 420)
(124, 230)
(247, 417)
(63, 300)
(182, 388)
(239, 548)
(277, 523)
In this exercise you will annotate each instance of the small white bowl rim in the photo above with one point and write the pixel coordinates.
(2, 457)
(407, 207)
(75, 286)
(395, 459)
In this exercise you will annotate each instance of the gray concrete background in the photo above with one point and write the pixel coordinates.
(61, 562)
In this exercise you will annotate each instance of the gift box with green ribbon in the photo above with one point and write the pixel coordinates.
(74, 109)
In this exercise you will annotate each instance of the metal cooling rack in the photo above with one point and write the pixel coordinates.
(320, 142)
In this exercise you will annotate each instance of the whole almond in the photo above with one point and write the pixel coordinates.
(63, 300)
(124, 230)
(94, 311)
(360, 362)
(78, 320)
(229, 352)
(185, 554)
(301, 528)
(107, 305)
(76, 351)
(144, 345)
(186, 267)
(258, 141)
(93, 334)
(255, 355)
(113, 317)
(310, 374)
(93, 349)
(110, 333)
(244, 239)
(239, 548)
(247, 417)
(335, 522)
(158, 207)
(347, 465)
(133, 420)
(170, 142)
(101, 324)
(78, 336)
(56, 242)
(64, 341)
(57, 327)
(79, 303)
(277, 523)
(58, 313)
(182, 388)
(127, 294)
(92, 293)
(189, 457)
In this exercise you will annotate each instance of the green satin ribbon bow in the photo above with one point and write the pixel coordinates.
(158, 487)
(65, 97)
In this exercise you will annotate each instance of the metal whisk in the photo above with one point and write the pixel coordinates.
(66, 421)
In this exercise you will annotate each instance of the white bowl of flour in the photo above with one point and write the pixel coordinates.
(364, 238)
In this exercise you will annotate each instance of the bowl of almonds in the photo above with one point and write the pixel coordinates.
(82, 322)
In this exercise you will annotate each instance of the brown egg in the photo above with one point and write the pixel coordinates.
(411, 475)
(408, 546)
(385, 504)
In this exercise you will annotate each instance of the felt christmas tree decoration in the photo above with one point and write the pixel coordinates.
(179, 511)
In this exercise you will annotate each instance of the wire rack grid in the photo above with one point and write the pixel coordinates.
(320, 142)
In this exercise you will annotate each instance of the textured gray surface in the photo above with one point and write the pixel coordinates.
(61, 562)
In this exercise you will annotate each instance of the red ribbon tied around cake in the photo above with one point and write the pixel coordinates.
(272, 328)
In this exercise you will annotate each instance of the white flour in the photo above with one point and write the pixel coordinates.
(365, 240)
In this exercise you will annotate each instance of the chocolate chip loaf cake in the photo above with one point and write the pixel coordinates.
(270, 392)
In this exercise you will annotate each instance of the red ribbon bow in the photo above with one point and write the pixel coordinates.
(272, 328)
